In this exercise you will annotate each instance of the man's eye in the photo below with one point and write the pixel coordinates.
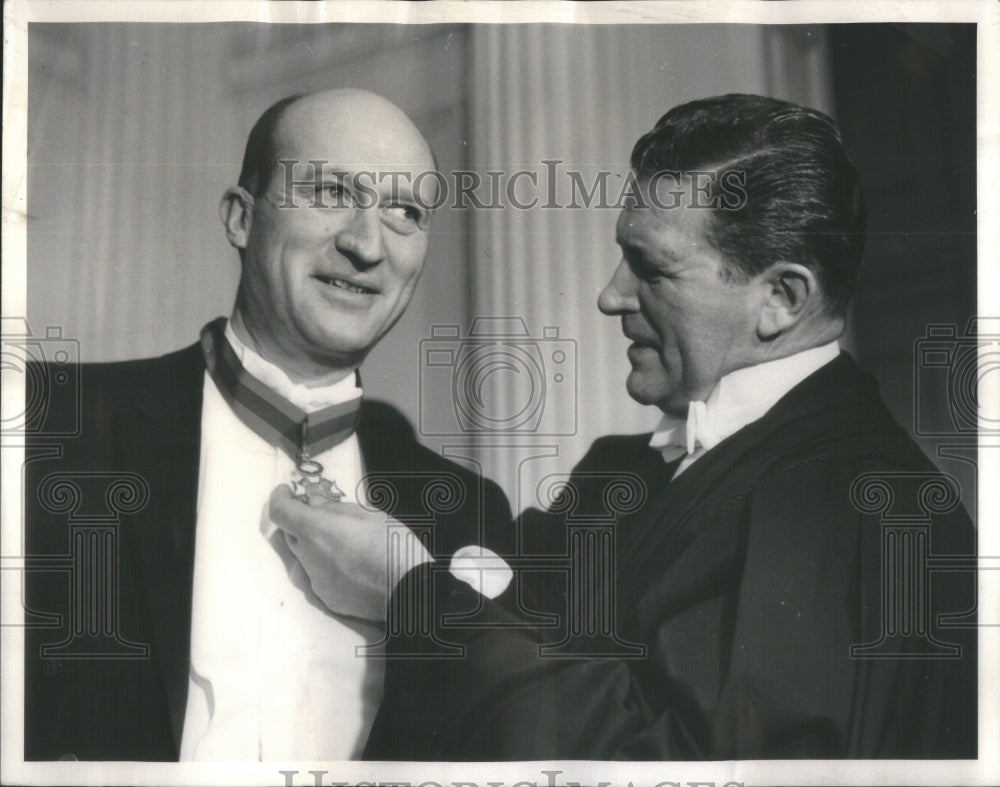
(649, 273)
(335, 195)
(642, 269)
(404, 216)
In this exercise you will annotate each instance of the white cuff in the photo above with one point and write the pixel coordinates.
(484, 570)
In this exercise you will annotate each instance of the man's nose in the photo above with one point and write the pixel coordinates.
(361, 240)
(620, 295)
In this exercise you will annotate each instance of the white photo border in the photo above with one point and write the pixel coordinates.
(18, 14)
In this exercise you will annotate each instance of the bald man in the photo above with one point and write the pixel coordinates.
(212, 642)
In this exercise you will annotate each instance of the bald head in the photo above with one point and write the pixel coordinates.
(312, 123)
(331, 225)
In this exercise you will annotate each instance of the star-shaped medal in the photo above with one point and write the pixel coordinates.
(307, 488)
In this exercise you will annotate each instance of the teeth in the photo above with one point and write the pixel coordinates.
(343, 285)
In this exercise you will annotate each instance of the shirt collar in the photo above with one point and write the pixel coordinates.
(302, 396)
(738, 399)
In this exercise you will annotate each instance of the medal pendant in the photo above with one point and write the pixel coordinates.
(309, 485)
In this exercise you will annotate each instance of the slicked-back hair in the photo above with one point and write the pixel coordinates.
(804, 201)
(261, 156)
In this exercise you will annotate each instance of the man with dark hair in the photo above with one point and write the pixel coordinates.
(748, 609)
(801, 198)
(189, 631)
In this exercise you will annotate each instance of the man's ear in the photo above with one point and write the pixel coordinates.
(236, 212)
(792, 292)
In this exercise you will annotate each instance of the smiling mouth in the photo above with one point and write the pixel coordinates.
(343, 284)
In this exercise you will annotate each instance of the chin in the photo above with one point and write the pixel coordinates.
(654, 393)
(639, 389)
(341, 350)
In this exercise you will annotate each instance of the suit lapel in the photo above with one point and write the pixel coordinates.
(417, 486)
(160, 439)
(373, 453)
(387, 452)
(669, 520)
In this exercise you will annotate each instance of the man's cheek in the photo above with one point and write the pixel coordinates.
(668, 357)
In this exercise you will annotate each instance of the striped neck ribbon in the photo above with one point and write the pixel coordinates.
(298, 433)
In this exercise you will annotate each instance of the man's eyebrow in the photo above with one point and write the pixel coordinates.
(321, 176)
(658, 254)
(400, 184)
(334, 170)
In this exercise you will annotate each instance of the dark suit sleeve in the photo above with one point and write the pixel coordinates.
(782, 681)
(497, 700)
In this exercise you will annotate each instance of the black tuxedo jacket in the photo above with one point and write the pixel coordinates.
(748, 580)
(115, 508)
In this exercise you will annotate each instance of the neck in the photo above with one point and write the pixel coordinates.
(814, 331)
(305, 372)
(764, 351)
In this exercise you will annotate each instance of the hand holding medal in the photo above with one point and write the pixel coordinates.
(353, 557)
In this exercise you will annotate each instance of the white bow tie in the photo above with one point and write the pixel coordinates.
(677, 437)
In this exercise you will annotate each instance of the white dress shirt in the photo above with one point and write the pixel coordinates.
(738, 399)
(274, 674)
